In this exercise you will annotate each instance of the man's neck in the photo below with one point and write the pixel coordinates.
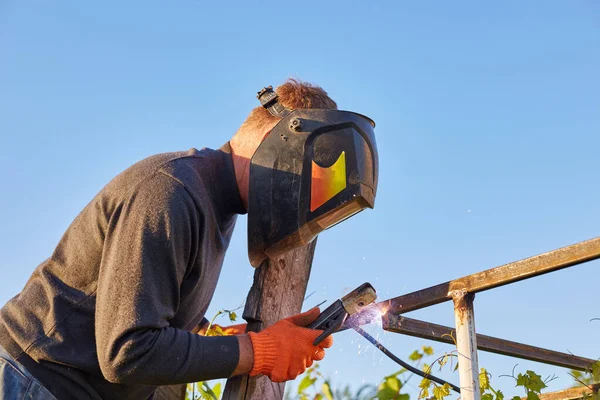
(243, 145)
(241, 167)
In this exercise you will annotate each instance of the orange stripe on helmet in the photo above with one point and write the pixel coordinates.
(327, 182)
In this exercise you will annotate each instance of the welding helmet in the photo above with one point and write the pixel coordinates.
(314, 169)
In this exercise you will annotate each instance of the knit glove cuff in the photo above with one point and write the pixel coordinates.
(265, 353)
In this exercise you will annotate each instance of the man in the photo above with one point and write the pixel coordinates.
(111, 314)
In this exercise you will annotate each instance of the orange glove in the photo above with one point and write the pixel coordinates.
(284, 350)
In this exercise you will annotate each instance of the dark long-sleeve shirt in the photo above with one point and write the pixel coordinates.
(109, 314)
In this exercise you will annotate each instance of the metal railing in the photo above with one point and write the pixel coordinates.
(462, 292)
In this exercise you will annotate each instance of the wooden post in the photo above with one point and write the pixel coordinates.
(277, 292)
(577, 393)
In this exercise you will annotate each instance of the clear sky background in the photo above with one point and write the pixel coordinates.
(488, 122)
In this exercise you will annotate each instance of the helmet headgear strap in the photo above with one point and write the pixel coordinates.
(270, 100)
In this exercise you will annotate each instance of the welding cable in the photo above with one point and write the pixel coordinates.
(402, 363)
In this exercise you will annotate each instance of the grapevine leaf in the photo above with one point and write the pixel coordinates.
(499, 395)
(415, 356)
(232, 316)
(207, 393)
(386, 394)
(484, 380)
(532, 396)
(215, 330)
(439, 392)
(596, 371)
(428, 350)
(424, 383)
(487, 396)
(305, 383)
(326, 389)
(393, 383)
(522, 380)
(535, 383)
(217, 390)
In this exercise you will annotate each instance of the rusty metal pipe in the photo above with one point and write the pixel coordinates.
(509, 273)
(466, 345)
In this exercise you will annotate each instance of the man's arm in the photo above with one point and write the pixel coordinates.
(148, 246)
(246, 360)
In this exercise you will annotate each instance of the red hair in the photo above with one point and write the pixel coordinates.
(293, 94)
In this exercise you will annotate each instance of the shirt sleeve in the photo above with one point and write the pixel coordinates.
(147, 250)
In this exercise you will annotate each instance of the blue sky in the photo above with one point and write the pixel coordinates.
(488, 120)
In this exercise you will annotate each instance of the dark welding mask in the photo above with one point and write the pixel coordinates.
(314, 169)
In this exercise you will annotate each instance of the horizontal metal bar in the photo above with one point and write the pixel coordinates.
(499, 276)
(440, 333)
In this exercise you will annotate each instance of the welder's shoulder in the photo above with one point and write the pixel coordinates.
(178, 166)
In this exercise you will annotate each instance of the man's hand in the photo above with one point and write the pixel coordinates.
(284, 350)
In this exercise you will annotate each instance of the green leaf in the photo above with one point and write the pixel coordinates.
(232, 316)
(516, 398)
(596, 371)
(428, 350)
(487, 396)
(439, 392)
(424, 385)
(305, 383)
(326, 389)
(386, 394)
(499, 395)
(393, 383)
(217, 390)
(522, 380)
(535, 382)
(207, 393)
(215, 330)
(415, 356)
(484, 380)
(532, 396)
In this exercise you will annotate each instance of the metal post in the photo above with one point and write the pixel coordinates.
(466, 344)
(445, 334)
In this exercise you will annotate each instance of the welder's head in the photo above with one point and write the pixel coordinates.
(316, 167)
